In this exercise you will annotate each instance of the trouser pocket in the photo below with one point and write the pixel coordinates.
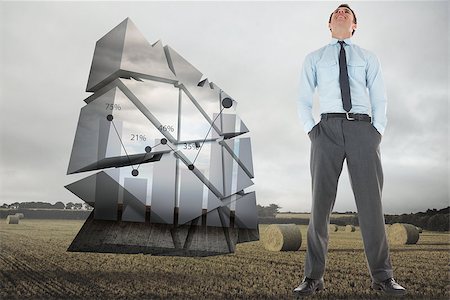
(314, 131)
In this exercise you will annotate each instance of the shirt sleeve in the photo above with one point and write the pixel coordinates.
(377, 93)
(308, 83)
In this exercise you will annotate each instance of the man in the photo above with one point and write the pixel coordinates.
(353, 119)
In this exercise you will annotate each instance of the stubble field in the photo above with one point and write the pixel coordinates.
(34, 264)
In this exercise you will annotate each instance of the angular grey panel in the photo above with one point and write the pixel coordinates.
(141, 57)
(212, 203)
(107, 56)
(84, 189)
(235, 179)
(122, 84)
(243, 180)
(240, 149)
(85, 145)
(215, 167)
(184, 71)
(213, 219)
(191, 196)
(161, 99)
(194, 125)
(137, 130)
(125, 52)
(107, 195)
(242, 128)
(163, 192)
(134, 199)
(108, 139)
(198, 173)
(98, 139)
(121, 161)
(144, 95)
(245, 156)
(231, 125)
(224, 205)
(207, 98)
(246, 212)
(219, 217)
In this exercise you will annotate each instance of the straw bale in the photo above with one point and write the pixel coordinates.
(333, 228)
(350, 228)
(282, 237)
(402, 234)
(12, 219)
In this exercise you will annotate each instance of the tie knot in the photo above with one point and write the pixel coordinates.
(342, 43)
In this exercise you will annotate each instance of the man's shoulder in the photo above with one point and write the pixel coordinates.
(318, 51)
(368, 54)
(316, 54)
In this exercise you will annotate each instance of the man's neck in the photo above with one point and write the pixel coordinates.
(341, 35)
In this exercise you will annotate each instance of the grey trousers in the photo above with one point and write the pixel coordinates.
(332, 141)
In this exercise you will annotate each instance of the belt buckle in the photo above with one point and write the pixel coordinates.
(348, 117)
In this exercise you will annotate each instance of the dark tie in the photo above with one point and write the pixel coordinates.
(343, 79)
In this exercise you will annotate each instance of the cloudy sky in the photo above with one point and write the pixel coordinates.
(253, 51)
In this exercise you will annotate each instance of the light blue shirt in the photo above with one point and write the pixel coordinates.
(321, 69)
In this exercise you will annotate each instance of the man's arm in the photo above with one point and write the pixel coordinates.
(377, 93)
(308, 83)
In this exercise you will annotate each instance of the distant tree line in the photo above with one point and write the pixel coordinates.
(269, 211)
(432, 219)
(46, 205)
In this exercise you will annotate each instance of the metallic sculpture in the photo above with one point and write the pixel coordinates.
(173, 162)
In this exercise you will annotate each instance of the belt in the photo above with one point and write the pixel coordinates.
(348, 116)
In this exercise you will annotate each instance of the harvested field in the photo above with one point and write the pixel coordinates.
(34, 264)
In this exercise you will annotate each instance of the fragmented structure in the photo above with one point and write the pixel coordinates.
(171, 152)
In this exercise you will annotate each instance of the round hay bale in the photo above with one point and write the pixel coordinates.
(350, 228)
(12, 219)
(402, 234)
(333, 228)
(20, 215)
(419, 229)
(282, 237)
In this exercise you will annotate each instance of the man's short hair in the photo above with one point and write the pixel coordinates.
(346, 6)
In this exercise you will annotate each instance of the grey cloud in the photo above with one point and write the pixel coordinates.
(253, 51)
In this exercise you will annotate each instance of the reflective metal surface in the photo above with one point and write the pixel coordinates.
(235, 178)
(134, 199)
(191, 196)
(231, 125)
(106, 195)
(169, 143)
(246, 212)
(240, 149)
(124, 48)
(163, 190)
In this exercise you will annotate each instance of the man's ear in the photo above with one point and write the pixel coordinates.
(329, 26)
(354, 26)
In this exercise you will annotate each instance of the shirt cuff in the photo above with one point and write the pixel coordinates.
(379, 128)
(308, 127)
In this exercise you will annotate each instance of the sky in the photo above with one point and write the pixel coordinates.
(253, 51)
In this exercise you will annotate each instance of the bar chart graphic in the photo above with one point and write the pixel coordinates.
(168, 157)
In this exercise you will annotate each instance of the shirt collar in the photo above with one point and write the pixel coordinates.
(333, 41)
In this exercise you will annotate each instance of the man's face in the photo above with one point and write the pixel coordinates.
(342, 18)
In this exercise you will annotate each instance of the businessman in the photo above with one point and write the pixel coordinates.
(353, 118)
